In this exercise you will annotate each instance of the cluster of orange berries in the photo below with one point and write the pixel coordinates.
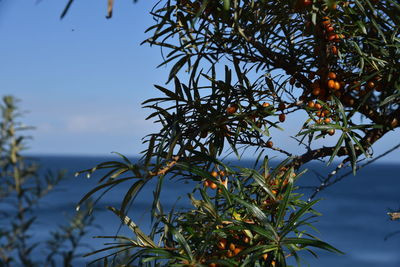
(276, 185)
(232, 249)
(329, 31)
(215, 174)
(233, 108)
(357, 89)
(322, 114)
(330, 35)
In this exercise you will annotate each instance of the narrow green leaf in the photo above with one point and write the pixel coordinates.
(282, 207)
(337, 147)
(182, 241)
(142, 237)
(97, 188)
(178, 65)
(291, 224)
(311, 242)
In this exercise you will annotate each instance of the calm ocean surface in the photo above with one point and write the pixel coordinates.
(354, 216)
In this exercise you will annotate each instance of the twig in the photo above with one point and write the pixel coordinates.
(326, 182)
(166, 168)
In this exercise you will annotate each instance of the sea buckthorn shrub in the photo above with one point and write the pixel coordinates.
(239, 71)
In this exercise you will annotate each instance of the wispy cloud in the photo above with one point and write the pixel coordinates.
(106, 123)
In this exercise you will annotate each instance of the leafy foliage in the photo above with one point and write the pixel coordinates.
(250, 65)
(250, 218)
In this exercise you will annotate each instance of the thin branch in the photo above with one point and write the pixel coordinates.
(326, 183)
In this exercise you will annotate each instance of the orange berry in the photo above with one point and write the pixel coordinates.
(371, 85)
(331, 84)
(332, 37)
(282, 117)
(265, 105)
(316, 91)
(337, 85)
(232, 246)
(265, 256)
(331, 132)
(332, 75)
(221, 173)
(231, 109)
(237, 251)
(212, 265)
(229, 254)
(206, 183)
(246, 239)
(214, 174)
(270, 144)
(311, 104)
(318, 106)
(327, 120)
(334, 50)
(213, 185)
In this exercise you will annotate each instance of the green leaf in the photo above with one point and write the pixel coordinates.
(142, 237)
(341, 111)
(167, 92)
(227, 4)
(259, 179)
(66, 9)
(257, 212)
(131, 194)
(182, 241)
(97, 188)
(337, 147)
(291, 224)
(178, 65)
(312, 243)
(282, 207)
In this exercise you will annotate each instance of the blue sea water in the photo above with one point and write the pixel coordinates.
(354, 210)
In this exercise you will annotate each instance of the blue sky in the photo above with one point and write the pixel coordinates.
(82, 78)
